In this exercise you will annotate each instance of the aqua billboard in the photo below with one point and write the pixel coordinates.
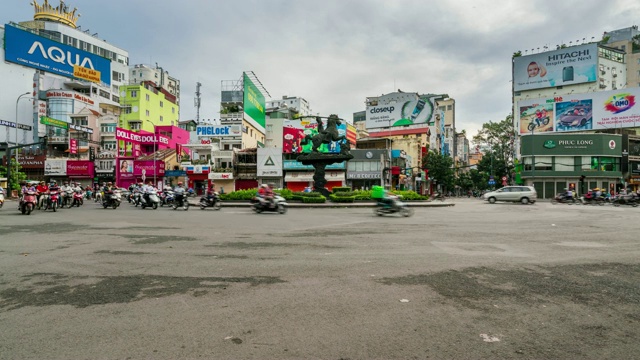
(31, 50)
(253, 104)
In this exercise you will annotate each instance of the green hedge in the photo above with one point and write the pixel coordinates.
(285, 193)
(315, 199)
(342, 199)
(337, 189)
(410, 195)
(239, 195)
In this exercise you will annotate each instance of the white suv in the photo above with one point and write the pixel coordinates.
(523, 194)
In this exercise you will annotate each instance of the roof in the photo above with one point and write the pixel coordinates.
(422, 130)
(158, 155)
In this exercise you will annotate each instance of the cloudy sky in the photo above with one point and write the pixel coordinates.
(335, 53)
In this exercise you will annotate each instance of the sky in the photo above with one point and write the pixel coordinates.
(336, 53)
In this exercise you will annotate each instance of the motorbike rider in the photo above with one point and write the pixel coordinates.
(146, 189)
(389, 199)
(598, 193)
(53, 187)
(568, 194)
(179, 191)
(211, 193)
(64, 189)
(41, 189)
(269, 195)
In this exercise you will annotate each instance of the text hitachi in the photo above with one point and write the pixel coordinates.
(568, 55)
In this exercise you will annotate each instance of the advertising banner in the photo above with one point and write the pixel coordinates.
(55, 167)
(11, 124)
(414, 110)
(220, 176)
(31, 50)
(294, 133)
(86, 74)
(53, 122)
(126, 168)
(73, 146)
(580, 112)
(134, 137)
(569, 66)
(218, 130)
(253, 104)
(80, 168)
(269, 162)
(296, 165)
(147, 168)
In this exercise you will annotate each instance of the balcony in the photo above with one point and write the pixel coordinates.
(222, 154)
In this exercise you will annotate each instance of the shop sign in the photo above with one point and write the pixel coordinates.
(32, 161)
(356, 175)
(217, 130)
(220, 176)
(53, 122)
(83, 168)
(55, 167)
(296, 165)
(147, 167)
(130, 136)
(11, 124)
(175, 173)
(634, 167)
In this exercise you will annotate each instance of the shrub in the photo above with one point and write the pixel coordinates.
(342, 199)
(285, 193)
(314, 199)
(239, 195)
(410, 195)
(337, 189)
(362, 194)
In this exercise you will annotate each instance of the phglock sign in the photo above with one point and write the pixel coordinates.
(217, 130)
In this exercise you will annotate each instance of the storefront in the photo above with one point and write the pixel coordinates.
(579, 161)
(365, 169)
(270, 167)
(32, 166)
(298, 176)
(224, 181)
(198, 177)
(80, 171)
(131, 171)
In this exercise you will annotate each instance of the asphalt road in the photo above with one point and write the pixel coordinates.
(473, 281)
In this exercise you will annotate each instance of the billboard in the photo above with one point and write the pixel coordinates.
(580, 112)
(218, 130)
(568, 66)
(296, 136)
(31, 50)
(269, 162)
(407, 112)
(253, 104)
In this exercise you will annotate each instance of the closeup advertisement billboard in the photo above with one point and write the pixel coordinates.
(28, 49)
(568, 66)
(254, 104)
(297, 134)
(419, 110)
(580, 112)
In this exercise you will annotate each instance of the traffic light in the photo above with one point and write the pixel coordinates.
(44, 141)
(582, 177)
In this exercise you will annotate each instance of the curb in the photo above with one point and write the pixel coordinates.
(332, 205)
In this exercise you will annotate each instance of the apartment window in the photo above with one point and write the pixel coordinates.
(105, 94)
(565, 163)
(134, 93)
(173, 110)
(108, 128)
(147, 112)
(161, 118)
(80, 121)
(449, 107)
(147, 97)
(161, 104)
(109, 145)
(156, 75)
(135, 126)
(544, 163)
(127, 109)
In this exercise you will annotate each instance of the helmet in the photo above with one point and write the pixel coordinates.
(264, 186)
(109, 183)
(179, 182)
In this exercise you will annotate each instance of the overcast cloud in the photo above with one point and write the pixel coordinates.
(335, 53)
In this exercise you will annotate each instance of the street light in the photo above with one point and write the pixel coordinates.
(155, 182)
(16, 144)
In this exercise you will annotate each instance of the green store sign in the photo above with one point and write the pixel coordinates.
(53, 122)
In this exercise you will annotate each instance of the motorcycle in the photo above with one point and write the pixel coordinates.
(43, 201)
(214, 202)
(67, 198)
(77, 199)
(151, 200)
(1, 198)
(562, 199)
(191, 192)
(52, 201)
(180, 201)
(630, 200)
(88, 194)
(439, 196)
(543, 122)
(589, 199)
(99, 196)
(279, 204)
(28, 202)
(111, 199)
(136, 198)
(167, 198)
(396, 206)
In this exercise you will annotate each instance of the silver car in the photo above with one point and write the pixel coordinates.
(522, 194)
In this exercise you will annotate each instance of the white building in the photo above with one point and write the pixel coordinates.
(299, 105)
(141, 72)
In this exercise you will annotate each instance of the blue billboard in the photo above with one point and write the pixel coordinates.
(28, 49)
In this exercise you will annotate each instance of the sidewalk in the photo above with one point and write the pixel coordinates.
(329, 204)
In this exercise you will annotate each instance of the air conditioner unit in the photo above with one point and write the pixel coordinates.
(615, 75)
(602, 72)
(602, 86)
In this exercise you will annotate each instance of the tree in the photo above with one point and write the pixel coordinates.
(440, 168)
(497, 138)
(16, 175)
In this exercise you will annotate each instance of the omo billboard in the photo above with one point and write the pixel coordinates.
(28, 49)
(568, 66)
(411, 110)
(580, 112)
(254, 104)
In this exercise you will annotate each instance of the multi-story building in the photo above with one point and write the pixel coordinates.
(140, 73)
(145, 106)
(299, 106)
(627, 40)
(574, 98)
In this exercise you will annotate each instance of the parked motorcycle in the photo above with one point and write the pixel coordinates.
(279, 204)
(28, 202)
(397, 206)
(214, 202)
(150, 200)
(180, 201)
(111, 199)
(1, 198)
(562, 199)
(77, 199)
